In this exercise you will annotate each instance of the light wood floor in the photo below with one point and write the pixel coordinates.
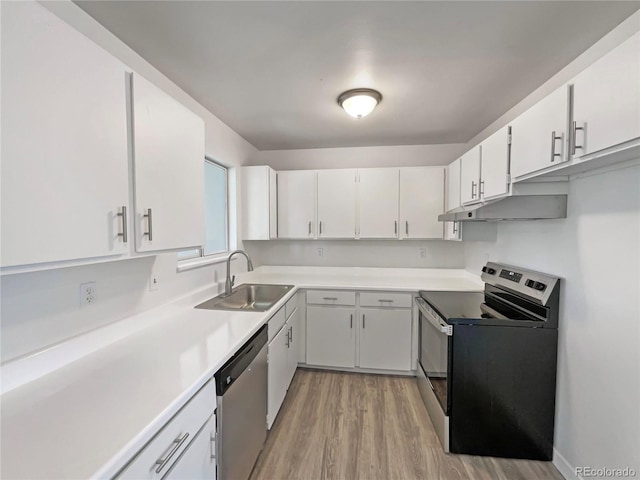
(348, 426)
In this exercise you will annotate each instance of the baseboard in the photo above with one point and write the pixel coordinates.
(399, 373)
(564, 467)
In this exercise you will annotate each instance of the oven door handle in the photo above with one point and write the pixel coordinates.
(446, 329)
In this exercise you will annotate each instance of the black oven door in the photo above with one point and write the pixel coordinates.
(435, 338)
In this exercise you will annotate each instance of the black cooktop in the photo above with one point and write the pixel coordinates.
(455, 304)
(471, 308)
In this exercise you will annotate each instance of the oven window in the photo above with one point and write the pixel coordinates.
(434, 358)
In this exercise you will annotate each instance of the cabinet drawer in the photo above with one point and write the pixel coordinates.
(276, 322)
(331, 297)
(291, 305)
(174, 438)
(382, 299)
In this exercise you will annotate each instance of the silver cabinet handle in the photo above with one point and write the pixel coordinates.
(395, 227)
(473, 189)
(385, 300)
(363, 320)
(124, 234)
(212, 445)
(309, 228)
(320, 231)
(481, 188)
(455, 227)
(149, 217)
(554, 137)
(161, 462)
(406, 227)
(330, 298)
(290, 334)
(351, 321)
(575, 138)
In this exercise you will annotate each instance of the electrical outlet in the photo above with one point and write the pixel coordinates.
(88, 294)
(320, 252)
(154, 282)
(423, 252)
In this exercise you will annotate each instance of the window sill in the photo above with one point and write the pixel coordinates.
(191, 263)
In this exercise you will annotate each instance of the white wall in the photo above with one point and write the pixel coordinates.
(359, 157)
(42, 308)
(596, 251)
(358, 253)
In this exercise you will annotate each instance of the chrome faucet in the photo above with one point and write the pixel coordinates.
(228, 284)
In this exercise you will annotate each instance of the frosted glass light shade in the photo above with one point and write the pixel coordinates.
(359, 102)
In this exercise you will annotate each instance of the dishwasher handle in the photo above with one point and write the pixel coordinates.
(237, 364)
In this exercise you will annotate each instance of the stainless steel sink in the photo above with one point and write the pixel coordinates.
(250, 297)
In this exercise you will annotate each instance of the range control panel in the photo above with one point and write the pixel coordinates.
(532, 284)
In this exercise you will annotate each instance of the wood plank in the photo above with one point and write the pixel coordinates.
(344, 426)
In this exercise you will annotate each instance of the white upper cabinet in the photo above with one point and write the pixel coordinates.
(453, 185)
(538, 136)
(337, 203)
(421, 201)
(297, 204)
(470, 176)
(452, 229)
(64, 141)
(494, 174)
(259, 203)
(606, 100)
(378, 201)
(168, 144)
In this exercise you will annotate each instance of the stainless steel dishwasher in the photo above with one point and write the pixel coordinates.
(241, 386)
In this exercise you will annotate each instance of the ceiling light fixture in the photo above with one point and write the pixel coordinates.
(359, 102)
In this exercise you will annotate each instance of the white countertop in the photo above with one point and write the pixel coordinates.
(89, 417)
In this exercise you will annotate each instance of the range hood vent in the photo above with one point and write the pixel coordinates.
(518, 207)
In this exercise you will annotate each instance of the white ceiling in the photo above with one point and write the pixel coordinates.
(272, 70)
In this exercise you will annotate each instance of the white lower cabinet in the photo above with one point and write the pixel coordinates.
(385, 338)
(331, 338)
(375, 333)
(169, 454)
(199, 460)
(282, 358)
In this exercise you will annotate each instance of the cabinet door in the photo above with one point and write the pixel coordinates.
(538, 136)
(278, 372)
(378, 202)
(470, 176)
(331, 338)
(385, 339)
(453, 185)
(169, 170)
(337, 203)
(421, 201)
(494, 180)
(452, 230)
(258, 203)
(606, 99)
(293, 352)
(297, 204)
(198, 460)
(64, 141)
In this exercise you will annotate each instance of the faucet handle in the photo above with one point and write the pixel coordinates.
(233, 280)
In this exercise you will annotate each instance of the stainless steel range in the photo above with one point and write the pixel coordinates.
(487, 363)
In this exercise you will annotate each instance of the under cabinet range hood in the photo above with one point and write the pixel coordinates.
(517, 207)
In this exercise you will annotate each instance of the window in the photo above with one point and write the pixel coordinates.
(216, 213)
